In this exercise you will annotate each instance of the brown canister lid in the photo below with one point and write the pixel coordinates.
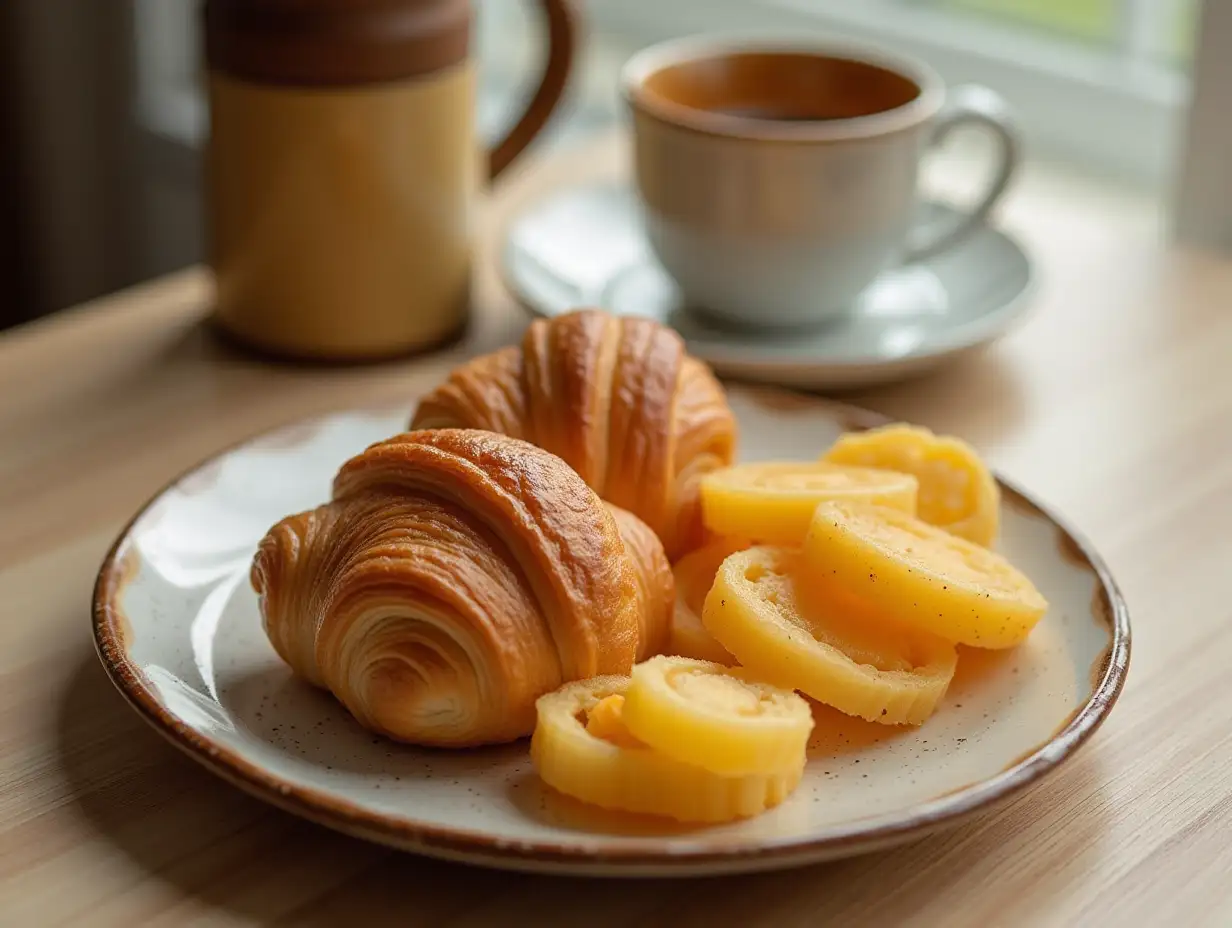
(334, 42)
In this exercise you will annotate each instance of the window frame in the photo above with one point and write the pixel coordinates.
(1201, 212)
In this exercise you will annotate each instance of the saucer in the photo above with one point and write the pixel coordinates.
(585, 247)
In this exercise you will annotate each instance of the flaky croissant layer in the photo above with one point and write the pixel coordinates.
(454, 578)
(618, 399)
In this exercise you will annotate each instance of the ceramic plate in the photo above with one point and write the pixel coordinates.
(178, 629)
(585, 247)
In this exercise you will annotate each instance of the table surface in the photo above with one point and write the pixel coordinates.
(1113, 402)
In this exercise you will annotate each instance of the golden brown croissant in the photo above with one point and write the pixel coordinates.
(619, 399)
(455, 577)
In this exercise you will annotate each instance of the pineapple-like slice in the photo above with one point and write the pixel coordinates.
(605, 770)
(694, 575)
(772, 502)
(717, 717)
(957, 491)
(922, 575)
(764, 610)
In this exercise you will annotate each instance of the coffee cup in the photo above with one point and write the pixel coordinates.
(778, 179)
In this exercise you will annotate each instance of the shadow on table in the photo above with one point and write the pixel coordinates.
(220, 849)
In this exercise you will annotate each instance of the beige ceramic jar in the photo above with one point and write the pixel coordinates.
(343, 168)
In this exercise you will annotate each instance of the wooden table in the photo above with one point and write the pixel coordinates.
(1113, 401)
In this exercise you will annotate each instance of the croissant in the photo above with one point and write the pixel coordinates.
(618, 399)
(455, 577)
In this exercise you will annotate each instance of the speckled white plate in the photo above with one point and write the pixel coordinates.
(584, 246)
(178, 629)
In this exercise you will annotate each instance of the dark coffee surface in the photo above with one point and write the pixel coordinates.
(770, 112)
(782, 86)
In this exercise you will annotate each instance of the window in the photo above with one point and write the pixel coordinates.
(1100, 82)
(168, 102)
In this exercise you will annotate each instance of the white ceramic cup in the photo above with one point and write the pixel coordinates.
(779, 178)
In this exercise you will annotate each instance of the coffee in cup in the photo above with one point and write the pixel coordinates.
(778, 179)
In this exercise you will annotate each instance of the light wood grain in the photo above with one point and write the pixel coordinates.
(1113, 401)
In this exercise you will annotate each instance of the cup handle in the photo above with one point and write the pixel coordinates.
(562, 26)
(971, 104)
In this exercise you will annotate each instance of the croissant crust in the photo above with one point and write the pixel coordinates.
(618, 399)
(454, 577)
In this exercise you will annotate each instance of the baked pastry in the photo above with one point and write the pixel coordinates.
(454, 578)
(619, 399)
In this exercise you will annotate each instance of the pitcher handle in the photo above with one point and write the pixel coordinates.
(562, 27)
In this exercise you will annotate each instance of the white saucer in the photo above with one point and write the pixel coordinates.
(585, 247)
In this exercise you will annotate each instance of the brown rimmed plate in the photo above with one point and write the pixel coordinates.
(177, 628)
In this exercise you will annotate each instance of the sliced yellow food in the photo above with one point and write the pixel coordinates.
(762, 612)
(922, 575)
(607, 772)
(694, 575)
(606, 721)
(773, 501)
(957, 492)
(717, 717)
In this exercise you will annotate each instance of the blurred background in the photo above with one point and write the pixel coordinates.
(103, 117)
